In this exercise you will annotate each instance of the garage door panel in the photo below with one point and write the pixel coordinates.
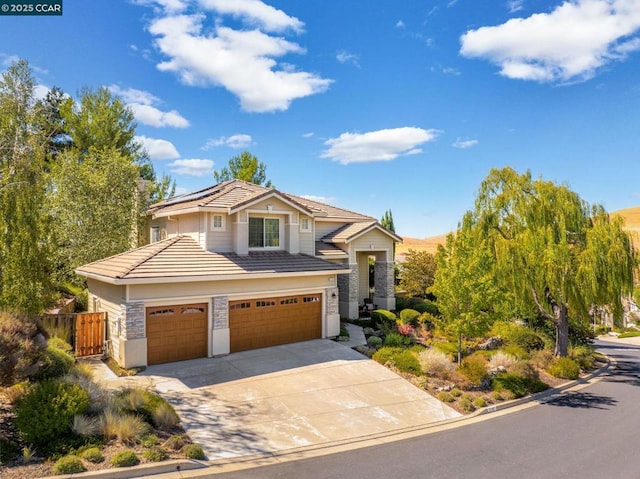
(272, 321)
(176, 333)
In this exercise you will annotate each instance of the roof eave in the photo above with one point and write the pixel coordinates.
(195, 279)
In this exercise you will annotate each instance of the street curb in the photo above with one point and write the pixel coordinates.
(150, 469)
(175, 469)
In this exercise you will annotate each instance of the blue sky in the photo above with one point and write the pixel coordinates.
(367, 105)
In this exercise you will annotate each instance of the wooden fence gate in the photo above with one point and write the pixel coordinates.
(84, 331)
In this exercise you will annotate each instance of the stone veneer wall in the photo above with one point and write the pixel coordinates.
(220, 312)
(383, 277)
(133, 320)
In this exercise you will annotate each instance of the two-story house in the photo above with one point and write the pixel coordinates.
(238, 266)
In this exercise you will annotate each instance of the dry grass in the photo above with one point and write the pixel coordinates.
(436, 363)
(125, 428)
(502, 360)
(85, 425)
(164, 416)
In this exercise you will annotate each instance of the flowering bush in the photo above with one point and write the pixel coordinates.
(406, 329)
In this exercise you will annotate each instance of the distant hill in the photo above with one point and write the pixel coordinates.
(631, 218)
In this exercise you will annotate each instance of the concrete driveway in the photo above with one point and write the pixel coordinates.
(285, 397)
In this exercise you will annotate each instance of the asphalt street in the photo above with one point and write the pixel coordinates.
(590, 433)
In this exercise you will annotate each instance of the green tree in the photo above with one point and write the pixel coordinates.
(24, 243)
(97, 198)
(417, 272)
(467, 294)
(246, 167)
(552, 250)
(387, 221)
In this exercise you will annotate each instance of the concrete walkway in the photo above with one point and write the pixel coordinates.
(272, 400)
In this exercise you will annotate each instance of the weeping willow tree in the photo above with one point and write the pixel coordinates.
(552, 250)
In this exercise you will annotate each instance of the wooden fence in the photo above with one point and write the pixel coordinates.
(84, 331)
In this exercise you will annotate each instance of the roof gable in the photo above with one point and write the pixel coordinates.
(234, 195)
(352, 231)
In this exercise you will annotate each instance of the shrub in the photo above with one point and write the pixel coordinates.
(93, 454)
(16, 392)
(474, 368)
(401, 303)
(445, 396)
(402, 359)
(427, 320)
(374, 342)
(127, 428)
(68, 465)
(423, 306)
(22, 342)
(449, 348)
(59, 343)
(502, 360)
(141, 402)
(396, 340)
(125, 458)
(164, 416)
(155, 454)
(466, 404)
(436, 363)
(82, 370)
(584, 355)
(150, 440)
(44, 415)
(526, 338)
(383, 317)
(516, 351)
(409, 316)
(55, 363)
(85, 425)
(542, 359)
(565, 368)
(516, 384)
(176, 442)
(194, 451)
(8, 449)
(479, 402)
(524, 369)
(405, 329)
(456, 392)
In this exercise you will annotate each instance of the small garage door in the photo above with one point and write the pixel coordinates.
(259, 323)
(176, 333)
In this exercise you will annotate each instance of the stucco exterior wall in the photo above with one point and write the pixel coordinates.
(256, 287)
(323, 228)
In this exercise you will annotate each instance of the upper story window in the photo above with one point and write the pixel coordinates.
(264, 232)
(305, 224)
(155, 234)
(216, 222)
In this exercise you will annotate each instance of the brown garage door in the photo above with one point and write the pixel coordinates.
(258, 323)
(176, 333)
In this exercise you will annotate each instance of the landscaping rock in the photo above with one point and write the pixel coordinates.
(369, 331)
(493, 342)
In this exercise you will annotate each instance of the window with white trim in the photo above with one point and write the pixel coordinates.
(216, 222)
(155, 234)
(264, 232)
(305, 225)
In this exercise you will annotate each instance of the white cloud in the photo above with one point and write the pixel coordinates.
(345, 57)
(327, 200)
(515, 5)
(192, 167)
(158, 149)
(446, 70)
(568, 44)
(141, 103)
(40, 91)
(308, 134)
(243, 61)
(400, 24)
(381, 145)
(464, 144)
(234, 141)
(255, 11)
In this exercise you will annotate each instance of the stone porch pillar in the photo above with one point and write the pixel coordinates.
(348, 286)
(384, 295)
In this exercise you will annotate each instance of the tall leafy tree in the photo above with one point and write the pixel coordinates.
(246, 167)
(468, 296)
(387, 221)
(24, 244)
(552, 250)
(97, 198)
(417, 272)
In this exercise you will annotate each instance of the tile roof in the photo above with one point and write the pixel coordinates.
(350, 231)
(182, 258)
(326, 250)
(236, 193)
